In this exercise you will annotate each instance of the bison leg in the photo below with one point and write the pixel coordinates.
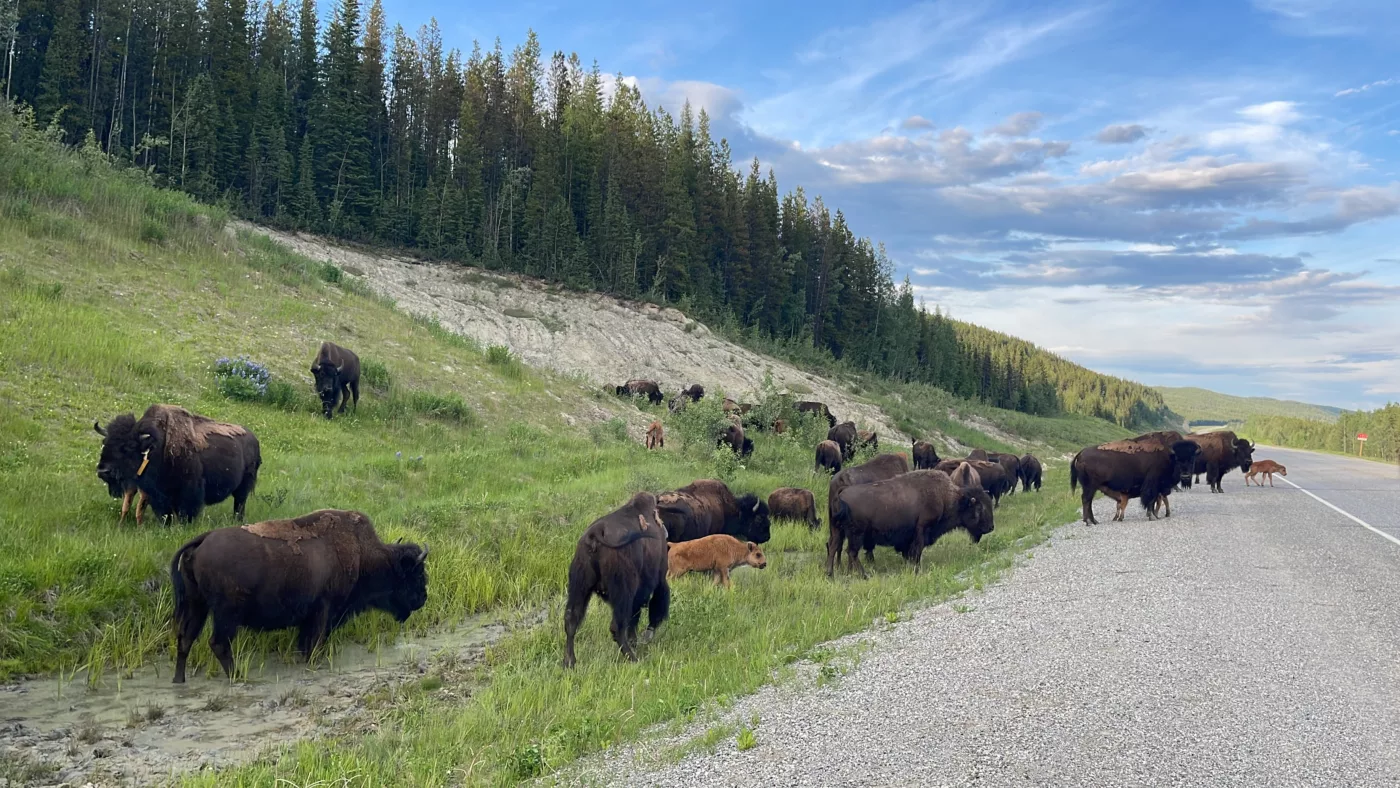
(657, 610)
(355, 392)
(623, 622)
(582, 581)
(313, 630)
(141, 501)
(126, 504)
(1086, 500)
(189, 621)
(853, 557)
(833, 547)
(722, 577)
(221, 640)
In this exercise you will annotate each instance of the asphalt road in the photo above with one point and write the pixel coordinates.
(1252, 639)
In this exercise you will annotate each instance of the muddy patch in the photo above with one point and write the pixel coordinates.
(141, 730)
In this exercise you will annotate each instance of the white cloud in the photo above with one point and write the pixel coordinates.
(1383, 83)
(1276, 113)
(916, 122)
(1121, 134)
(1022, 124)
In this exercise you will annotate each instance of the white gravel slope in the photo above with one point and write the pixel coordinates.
(1249, 640)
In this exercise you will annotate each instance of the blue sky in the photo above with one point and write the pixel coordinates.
(1184, 193)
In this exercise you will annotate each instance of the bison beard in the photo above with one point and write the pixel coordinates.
(621, 557)
(314, 572)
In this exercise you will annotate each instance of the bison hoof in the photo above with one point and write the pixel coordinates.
(647, 635)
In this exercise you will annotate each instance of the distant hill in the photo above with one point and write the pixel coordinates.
(1204, 407)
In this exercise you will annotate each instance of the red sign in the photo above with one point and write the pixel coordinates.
(1361, 436)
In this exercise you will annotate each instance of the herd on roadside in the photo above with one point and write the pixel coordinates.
(317, 571)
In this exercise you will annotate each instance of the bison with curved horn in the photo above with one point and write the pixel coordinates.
(336, 372)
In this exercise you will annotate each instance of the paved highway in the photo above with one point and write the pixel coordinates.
(1251, 640)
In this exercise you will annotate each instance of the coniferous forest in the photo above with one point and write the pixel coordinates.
(517, 161)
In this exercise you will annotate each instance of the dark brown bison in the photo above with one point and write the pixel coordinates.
(1011, 464)
(621, 557)
(880, 467)
(829, 457)
(117, 472)
(336, 373)
(642, 388)
(780, 426)
(695, 393)
(965, 476)
(183, 462)
(1031, 472)
(818, 409)
(1132, 470)
(656, 436)
(977, 454)
(314, 572)
(925, 456)
(707, 507)
(907, 512)
(844, 435)
(1221, 452)
(991, 475)
(732, 436)
(867, 440)
(729, 406)
(794, 503)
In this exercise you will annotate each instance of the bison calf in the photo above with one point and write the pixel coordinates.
(1265, 467)
(336, 372)
(717, 554)
(656, 436)
(829, 457)
(794, 503)
(314, 572)
(621, 557)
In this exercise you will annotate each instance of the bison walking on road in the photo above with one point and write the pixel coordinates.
(314, 572)
(908, 513)
(621, 557)
(1221, 452)
(336, 372)
(1130, 470)
(707, 506)
(1266, 468)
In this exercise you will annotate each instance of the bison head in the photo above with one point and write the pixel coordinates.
(975, 512)
(754, 557)
(410, 590)
(1184, 456)
(327, 381)
(121, 455)
(753, 518)
(1244, 454)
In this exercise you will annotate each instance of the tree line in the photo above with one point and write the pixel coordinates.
(1382, 428)
(512, 161)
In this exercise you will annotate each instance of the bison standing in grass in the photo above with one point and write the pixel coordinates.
(183, 462)
(336, 372)
(621, 557)
(817, 408)
(990, 475)
(716, 554)
(794, 503)
(642, 388)
(1011, 464)
(314, 572)
(829, 457)
(707, 507)
(908, 513)
(925, 456)
(844, 435)
(1031, 471)
(118, 472)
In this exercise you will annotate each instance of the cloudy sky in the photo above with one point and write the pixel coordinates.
(1183, 193)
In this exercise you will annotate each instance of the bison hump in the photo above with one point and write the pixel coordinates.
(1130, 447)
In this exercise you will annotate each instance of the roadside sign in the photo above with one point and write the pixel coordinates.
(1361, 436)
(1360, 443)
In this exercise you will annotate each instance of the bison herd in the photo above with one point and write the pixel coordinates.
(1150, 467)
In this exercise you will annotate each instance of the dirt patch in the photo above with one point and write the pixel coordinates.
(141, 729)
(599, 338)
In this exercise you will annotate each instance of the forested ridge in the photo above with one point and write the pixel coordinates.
(1382, 428)
(515, 161)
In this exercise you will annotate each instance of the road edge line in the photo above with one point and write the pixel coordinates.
(1341, 511)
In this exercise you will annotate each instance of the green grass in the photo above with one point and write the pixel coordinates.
(1204, 407)
(453, 445)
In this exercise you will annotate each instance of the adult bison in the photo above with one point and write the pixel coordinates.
(879, 468)
(695, 393)
(818, 409)
(621, 557)
(1011, 464)
(314, 572)
(336, 373)
(707, 507)
(965, 476)
(907, 512)
(990, 475)
(1031, 472)
(642, 388)
(844, 435)
(1130, 470)
(829, 457)
(794, 503)
(977, 454)
(184, 462)
(116, 471)
(1221, 452)
(732, 437)
(867, 440)
(925, 456)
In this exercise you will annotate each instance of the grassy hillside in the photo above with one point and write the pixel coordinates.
(116, 295)
(1205, 407)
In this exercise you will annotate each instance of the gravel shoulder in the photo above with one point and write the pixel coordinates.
(1248, 640)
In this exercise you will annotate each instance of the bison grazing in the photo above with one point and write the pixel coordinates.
(314, 572)
(925, 456)
(642, 388)
(819, 409)
(829, 457)
(908, 513)
(695, 393)
(844, 435)
(794, 503)
(1267, 468)
(183, 462)
(965, 476)
(977, 454)
(1011, 464)
(867, 440)
(733, 437)
(1030, 472)
(716, 554)
(336, 372)
(621, 557)
(729, 406)
(707, 507)
(117, 472)
(990, 475)
(1130, 470)
(1221, 452)
(656, 436)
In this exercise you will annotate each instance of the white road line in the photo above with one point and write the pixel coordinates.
(1341, 511)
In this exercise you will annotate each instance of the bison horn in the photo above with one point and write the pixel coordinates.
(98, 427)
(756, 504)
(422, 554)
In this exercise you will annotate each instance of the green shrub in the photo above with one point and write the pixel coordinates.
(499, 355)
(281, 394)
(331, 273)
(448, 407)
(612, 430)
(726, 463)
(699, 424)
(153, 232)
(241, 378)
(375, 374)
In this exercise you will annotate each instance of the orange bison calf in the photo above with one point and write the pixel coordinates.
(718, 554)
(656, 436)
(1266, 467)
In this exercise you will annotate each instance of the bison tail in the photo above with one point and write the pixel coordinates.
(1074, 474)
(840, 515)
(631, 537)
(177, 578)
